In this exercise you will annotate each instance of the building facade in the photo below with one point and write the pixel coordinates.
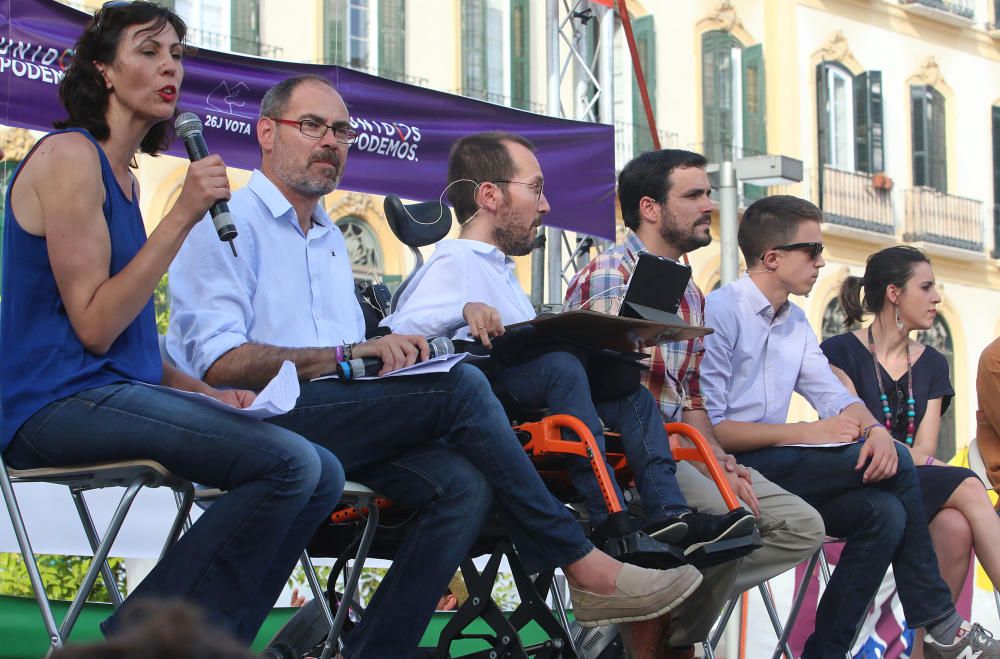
(893, 106)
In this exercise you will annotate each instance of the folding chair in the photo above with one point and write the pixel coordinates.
(133, 476)
(316, 627)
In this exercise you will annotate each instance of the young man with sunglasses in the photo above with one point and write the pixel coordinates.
(666, 203)
(846, 464)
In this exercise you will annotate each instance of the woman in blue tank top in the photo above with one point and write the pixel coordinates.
(78, 336)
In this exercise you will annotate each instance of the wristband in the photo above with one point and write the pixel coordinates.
(338, 353)
(866, 433)
(349, 351)
(929, 462)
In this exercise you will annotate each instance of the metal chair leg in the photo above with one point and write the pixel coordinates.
(720, 627)
(352, 580)
(34, 576)
(94, 540)
(797, 604)
(319, 594)
(182, 521)
(101, 555)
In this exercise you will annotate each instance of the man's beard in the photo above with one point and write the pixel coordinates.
(686, 240)
(510, 240)
(305, 183)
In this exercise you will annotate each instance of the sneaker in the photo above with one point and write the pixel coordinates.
(640, 594)
(669, 531)
(972, 642)
(704, 529)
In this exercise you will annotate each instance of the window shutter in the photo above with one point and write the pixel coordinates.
(392, 39)
(717, 101)
(645, 43)
(474, 48)
(823, 114)
(918, 116)
(335, 31)
(245, 26)
(938, 157)
(754, 114)
(520, 63)
(869, 145)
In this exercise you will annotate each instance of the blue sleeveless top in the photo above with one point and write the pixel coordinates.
(41, 358)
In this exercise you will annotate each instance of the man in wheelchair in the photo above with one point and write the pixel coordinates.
(438, 443)
(468, 289)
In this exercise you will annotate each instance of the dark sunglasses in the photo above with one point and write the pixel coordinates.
(103, 11)
(815, 249)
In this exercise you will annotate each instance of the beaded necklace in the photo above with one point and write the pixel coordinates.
(911, 412)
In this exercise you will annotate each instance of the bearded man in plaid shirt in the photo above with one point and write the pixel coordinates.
(666, 205)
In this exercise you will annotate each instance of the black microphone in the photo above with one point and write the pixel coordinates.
(364, 366)
(188, 128)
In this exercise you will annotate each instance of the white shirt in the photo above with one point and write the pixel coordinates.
(285, 288)
(757, 357)
(458, 272)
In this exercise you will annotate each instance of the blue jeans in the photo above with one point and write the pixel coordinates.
(883, 524)
(442, 444)
(235, 559)
(558, 381)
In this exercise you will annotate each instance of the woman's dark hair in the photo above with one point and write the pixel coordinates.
(891, 266)
(82, 90)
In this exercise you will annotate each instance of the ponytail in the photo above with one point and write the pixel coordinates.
(850, 300)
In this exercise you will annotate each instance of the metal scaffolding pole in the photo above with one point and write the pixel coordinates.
(554, 238)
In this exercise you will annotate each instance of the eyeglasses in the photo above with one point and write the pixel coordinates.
(815, 249)
(539, 188)
(316, 129)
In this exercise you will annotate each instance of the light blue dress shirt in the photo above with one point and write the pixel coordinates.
(285, 288)
(458, 272)
(757, 357)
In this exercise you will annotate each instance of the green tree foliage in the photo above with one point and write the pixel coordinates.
(161, 302)
(62, 576)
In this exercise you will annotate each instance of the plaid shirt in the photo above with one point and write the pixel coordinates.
(673, 377)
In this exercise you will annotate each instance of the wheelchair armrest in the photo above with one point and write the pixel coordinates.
(702, 452)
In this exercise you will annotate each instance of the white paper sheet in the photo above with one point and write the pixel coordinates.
(441, 364)
(276, 398)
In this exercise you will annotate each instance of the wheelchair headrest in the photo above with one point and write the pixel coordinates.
(417, 225)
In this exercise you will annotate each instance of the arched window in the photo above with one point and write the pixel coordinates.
(364, 248)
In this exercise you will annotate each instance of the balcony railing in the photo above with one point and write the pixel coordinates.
(626, 146)
(850, 199)
(500, 99)
(382, 72)
(227, 42)
(943, 9)
(944, 219)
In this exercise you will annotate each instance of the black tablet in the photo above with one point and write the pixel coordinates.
(657, 285)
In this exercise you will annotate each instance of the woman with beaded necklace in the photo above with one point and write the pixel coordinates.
(906, 386)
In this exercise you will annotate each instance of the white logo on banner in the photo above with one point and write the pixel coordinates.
(227, 99)
(390, 139)
(33, 61)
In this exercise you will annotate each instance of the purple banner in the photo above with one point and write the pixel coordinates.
(405, 131)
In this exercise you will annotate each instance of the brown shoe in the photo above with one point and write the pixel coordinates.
(641, 594)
